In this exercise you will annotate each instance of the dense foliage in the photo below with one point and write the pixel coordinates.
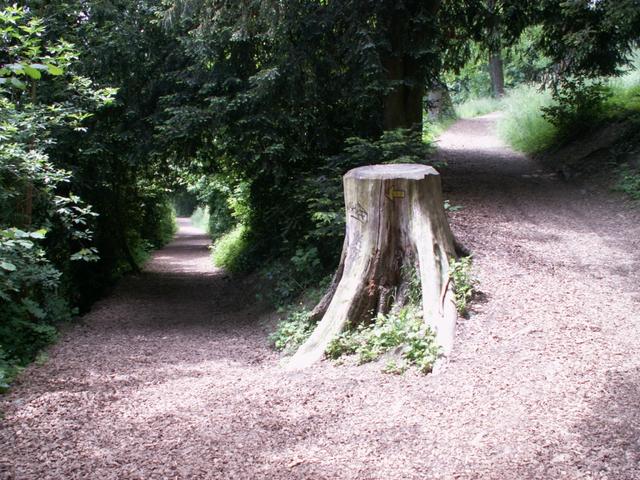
(253, 109)
(275, 93)
(74, 213)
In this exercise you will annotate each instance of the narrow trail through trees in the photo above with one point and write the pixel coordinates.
(172, 375)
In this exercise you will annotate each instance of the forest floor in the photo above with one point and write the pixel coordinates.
(172, 376)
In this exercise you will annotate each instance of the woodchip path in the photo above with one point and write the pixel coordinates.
(172, 376)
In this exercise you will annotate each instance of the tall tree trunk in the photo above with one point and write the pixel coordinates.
(403, 103)
(496, 70)
(439, 103)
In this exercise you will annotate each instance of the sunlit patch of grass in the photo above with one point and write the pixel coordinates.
(478, 106)
(200, 218)
(523, 125)
(232, 250)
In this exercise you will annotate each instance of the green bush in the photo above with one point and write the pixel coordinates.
(7, 371)
(287, 279)
(159, 221)
(232, 251)
(577, 107)
(200, 218)
(625, 89)
(523, 125)
(322, 191)
(433, 129)
(628, 181)
(30, 301)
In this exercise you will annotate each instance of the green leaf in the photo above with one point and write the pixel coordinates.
(54, 70)
(25, 244)
(38, 234)
(17, 83)
(34, 309)
(17, 68)
(17, 233)
(32, 72)
(9, 267)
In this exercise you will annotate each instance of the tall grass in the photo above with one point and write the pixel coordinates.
(523, 125)
(625, 89)
(478, 106)
(631, 78)
(200, 218)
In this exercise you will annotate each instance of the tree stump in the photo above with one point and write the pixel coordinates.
(395, 222)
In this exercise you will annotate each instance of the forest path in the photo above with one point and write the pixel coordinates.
(172, 375)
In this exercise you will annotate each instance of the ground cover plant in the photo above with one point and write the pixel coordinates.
(400, 338)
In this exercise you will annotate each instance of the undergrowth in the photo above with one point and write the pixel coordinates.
(434, 128)
(535, 120)
(200, 218)
(628, 181)
(478, 106)
(295, 325)
(464, 283)
(403, 334)
(292, 331)
(232, 251)
(523, 125)
(400, 337)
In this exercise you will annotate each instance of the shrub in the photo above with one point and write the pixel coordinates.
(159, 225)
(577, 106)
(232, 251)
(628, 181)
(200, 218)
(287, 279)
(30, 302)
(322, 191)
(625, 89)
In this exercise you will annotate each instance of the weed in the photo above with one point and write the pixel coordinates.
(464, 283)
(452, 208)
(396, 367)
(404, 333)
(292, 331)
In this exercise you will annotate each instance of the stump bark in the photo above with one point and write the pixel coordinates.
(395, 223)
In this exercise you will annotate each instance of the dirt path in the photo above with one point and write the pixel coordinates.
(172, 376)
